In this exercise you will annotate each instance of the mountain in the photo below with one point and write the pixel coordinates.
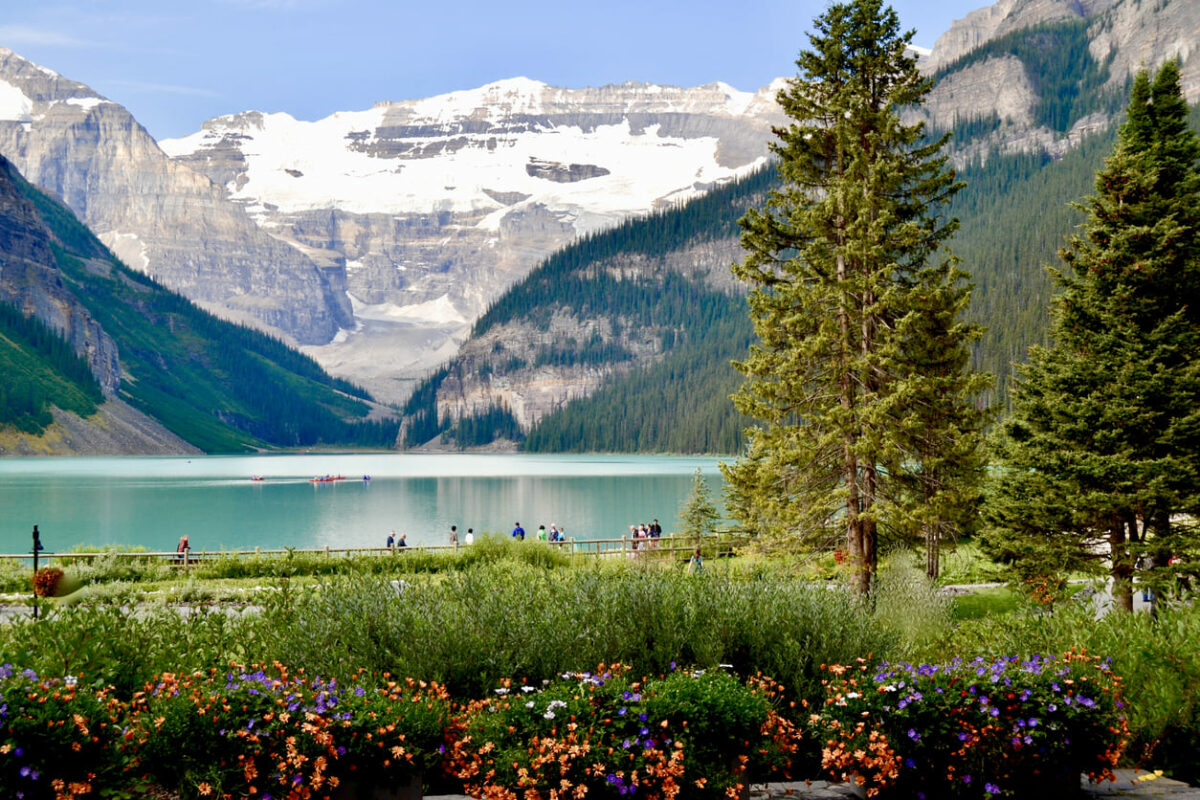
(433, 207)
(99, 358)
(552, 364)
(156, 214)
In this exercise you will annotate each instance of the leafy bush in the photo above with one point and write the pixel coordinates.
(1007, 727)
(1159, 659)
(107, 644)
(59, 739)
(258, 731)
(605, 734)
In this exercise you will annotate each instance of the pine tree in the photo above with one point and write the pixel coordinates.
(1101, 457)
(698, 514)
(841, 264)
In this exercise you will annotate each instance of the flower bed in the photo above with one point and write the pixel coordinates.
(1003, 728)
(59, 740)
(606, 734)
(264, 732)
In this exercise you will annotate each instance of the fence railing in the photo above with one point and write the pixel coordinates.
(718, 544)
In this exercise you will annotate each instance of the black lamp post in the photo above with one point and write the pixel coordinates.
(37, 548)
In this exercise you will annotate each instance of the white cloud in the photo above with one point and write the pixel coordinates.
(162, 88)
(24, 34)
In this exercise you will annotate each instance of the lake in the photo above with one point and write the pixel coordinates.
(152, 501)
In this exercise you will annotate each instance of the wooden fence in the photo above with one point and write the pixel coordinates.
(717, 544)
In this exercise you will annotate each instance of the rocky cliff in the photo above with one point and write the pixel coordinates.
(156, 214)
(30, 280)
(433, 207)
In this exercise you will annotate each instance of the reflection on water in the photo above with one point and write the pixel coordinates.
(153, 501)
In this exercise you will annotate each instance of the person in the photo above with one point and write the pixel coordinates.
(183, 548)
(696, 563)
(655, 530)
(518, 532)
(400, 542)
(541, 533)
(470, 539)
(454, 535)
(391, 540)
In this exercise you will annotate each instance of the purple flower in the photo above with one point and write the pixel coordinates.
(991, 788)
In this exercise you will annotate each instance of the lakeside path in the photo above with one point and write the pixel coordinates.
(1129, 783)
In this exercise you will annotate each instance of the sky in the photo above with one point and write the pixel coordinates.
(176, 63)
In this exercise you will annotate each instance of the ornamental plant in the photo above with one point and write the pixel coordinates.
(45, 581)
(268, 733)
(60, 740)
(608, 735)
(1002, 728)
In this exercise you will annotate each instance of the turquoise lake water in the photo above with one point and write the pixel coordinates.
(152, 501)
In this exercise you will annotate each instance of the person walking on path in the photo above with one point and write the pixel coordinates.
(541, 533)
(470, 536)
(391, 540)
(518, 532)
(400, 542)
(454, 536)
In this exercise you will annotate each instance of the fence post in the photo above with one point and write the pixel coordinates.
(624, 549)
(572, 545)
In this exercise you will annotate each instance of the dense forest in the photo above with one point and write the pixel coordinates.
(40, 368)
(219, 386)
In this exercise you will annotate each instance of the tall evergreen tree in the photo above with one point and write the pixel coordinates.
(1101, 457)
(845, 276)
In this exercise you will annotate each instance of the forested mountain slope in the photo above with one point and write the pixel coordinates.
(79, 329)
(621, 342)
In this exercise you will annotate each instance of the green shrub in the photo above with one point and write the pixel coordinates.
(608, 735)
(1158, 658)
(1003, 728)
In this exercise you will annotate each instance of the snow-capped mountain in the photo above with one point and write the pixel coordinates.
(434, 206)
(158, 215)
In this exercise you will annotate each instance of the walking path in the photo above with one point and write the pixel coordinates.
(1130, 783)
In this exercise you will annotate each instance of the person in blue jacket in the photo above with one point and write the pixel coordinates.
(518, 532)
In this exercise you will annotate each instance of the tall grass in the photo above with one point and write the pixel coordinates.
(470, 628)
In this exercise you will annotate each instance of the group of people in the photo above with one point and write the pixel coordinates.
(641, 532)
(555, 534)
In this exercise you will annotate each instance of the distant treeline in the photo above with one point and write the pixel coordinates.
(40, 367)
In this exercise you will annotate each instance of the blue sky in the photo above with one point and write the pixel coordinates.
(176, 63)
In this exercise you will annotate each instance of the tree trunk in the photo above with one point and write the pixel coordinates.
(1122, 567)
(933, 550)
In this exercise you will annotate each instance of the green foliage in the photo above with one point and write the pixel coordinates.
(470, 629)
(111, 645)
(858, 373)
(497, 422)
(1102, 452)
(219, 386)
(677, 405)
(40, 368)
(698, 514)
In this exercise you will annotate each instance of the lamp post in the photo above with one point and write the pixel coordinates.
(37, 548)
